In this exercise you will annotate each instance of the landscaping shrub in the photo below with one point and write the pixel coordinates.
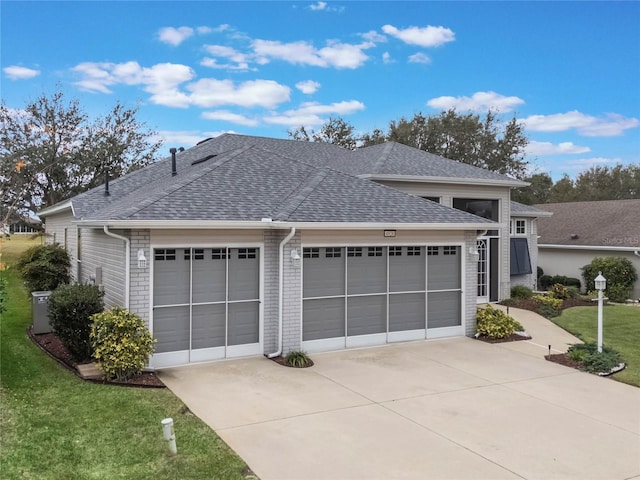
(548, 306)
(44, 267)
(593, 362)
(559, 291)
(70, 311)
(547, 281)
(520, 291)
(121, 343)
(297, 359)
(495, 323)
(539, 272)
(619, 272)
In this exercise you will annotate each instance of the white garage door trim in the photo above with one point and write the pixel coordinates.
(191, 355)
(353, 341)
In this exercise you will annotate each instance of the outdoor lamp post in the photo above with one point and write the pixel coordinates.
(601, 284)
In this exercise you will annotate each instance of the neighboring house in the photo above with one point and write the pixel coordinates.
(247, 245)
(24, 226)
(580, 231)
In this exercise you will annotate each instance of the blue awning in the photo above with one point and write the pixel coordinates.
(520, 260)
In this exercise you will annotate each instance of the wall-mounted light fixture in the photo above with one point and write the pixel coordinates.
(473, 251)
(295, 254)
(142, 260)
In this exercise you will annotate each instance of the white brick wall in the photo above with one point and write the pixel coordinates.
(140, 283)
(271, 287)
(292, 303)
(470, 284)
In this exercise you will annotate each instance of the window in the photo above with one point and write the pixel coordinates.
(218, 254)
(311, 253)
(244, 253)
(413, 251)
(521, 227)
(432, 251)
(374, 251)
(333, 252)
(395, 251)
(449, 250)
(198, 254)
(354, 252)
(165, 254)
(480, 207)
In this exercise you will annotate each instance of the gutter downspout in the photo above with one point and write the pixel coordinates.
(281, 292)
(127, 265)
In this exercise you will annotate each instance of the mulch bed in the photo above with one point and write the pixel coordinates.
(514, 337)
(283, 361)
(563, 359)
(52, 345)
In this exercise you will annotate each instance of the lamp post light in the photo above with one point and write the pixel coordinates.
(601, 284)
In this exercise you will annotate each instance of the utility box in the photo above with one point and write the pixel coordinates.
(41, 312)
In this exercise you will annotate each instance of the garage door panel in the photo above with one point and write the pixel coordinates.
(244, 274)
(209, 278)
(171, 277)
(407, 312)
(171, 328)
(444, 309)
(323, 272)
(244, 323)
(406, 269)
(366, 270)
(366, 315)
(443, 265)
(323, 318)
(208, 326)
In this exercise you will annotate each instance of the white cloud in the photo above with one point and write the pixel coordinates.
(309, 113)
(15, 72)
(335, 54)
(373, 36)
(186, 138)
(386, 58)
(428, 36)
(419, 58)
(609, 125)
(318, 6)
(308, 87)
(548, 148)
(204, 30)
(213, 63)
(227, 116)
(174, 36)
(581, 164)
(210, 92)
(478, 102)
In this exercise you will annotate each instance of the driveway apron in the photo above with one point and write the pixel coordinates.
(442, 409)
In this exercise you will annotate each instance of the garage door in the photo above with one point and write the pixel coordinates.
(206, 304)
(356, 296)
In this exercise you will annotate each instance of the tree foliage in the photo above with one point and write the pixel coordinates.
(51, 150)
(537, 192)
(336, 131)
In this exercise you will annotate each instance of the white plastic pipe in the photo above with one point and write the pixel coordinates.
(169, 435)
(127, 263)
(281, 292)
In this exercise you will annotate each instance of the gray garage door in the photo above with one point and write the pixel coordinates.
(355, 296)
(206, 304)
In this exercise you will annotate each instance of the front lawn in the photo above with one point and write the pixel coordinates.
(621, 331)
(55, 426)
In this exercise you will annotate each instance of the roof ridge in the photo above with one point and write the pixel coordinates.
(300, 194)
(382, 159)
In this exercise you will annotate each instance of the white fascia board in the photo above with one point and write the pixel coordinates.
(539, 214)
(204, 224)
(454, 180)
(589, 247)
(57, 208)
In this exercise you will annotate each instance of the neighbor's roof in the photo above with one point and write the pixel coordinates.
(612, 223)
(223, 188)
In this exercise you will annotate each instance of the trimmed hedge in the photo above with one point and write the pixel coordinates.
(620, 273)
(44, 267)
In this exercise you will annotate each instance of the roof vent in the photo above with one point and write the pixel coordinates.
(181, 149)
(574, 236)
(106, 184)
(174, 170)
(203, 159)
(205, 140)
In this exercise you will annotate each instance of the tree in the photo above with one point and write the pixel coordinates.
(537, 192)
(608, 183)
(51, 151)
(563, 191)
(336, 131)
(481, 142)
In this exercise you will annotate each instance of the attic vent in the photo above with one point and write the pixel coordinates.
(203, 159)
(205, 140)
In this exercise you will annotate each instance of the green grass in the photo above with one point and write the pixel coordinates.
(620, 331)
(55, 426)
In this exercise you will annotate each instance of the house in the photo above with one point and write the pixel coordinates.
(580, 231)
(23, 226)
(247, 245)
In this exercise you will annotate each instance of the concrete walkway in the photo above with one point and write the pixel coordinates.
(442, 409)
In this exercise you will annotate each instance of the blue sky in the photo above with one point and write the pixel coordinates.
(569, 70)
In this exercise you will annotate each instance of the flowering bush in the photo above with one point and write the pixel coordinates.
(495, 323)
(620, 273)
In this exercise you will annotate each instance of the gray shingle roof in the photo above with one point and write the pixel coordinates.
(612, 223)
(249, 178)
(522, 210)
